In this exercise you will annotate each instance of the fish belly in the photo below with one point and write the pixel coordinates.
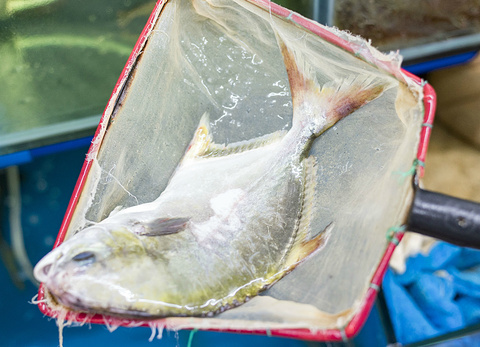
(244, 212)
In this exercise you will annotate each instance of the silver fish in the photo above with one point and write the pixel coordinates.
(232, 221)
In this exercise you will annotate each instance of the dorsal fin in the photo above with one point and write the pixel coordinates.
(215, 150)
(202, 144)
(201, 140)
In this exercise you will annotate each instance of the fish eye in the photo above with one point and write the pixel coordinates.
(84, 257)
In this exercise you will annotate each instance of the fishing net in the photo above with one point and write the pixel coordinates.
(223, 57)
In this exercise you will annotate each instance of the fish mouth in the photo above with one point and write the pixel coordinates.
(43, 271)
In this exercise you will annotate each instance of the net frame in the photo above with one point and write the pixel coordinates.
(353, 47)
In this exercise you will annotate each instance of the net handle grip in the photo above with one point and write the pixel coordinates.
(445, 217)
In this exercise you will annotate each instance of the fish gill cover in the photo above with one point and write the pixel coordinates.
(220, 86)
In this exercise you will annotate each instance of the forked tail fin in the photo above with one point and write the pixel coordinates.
(319, 108)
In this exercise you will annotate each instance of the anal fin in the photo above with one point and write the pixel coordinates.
(303, 246)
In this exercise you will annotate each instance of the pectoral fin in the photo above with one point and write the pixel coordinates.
(163, 226)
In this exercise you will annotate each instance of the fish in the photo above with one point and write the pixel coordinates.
(232, 221)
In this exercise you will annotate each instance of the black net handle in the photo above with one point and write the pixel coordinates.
(444, 217)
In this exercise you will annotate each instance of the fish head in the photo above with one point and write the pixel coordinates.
(92, 270)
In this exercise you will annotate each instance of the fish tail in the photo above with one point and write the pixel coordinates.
(341, 98)
(318, 108)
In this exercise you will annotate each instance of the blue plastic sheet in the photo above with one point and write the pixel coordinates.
(437, 294)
